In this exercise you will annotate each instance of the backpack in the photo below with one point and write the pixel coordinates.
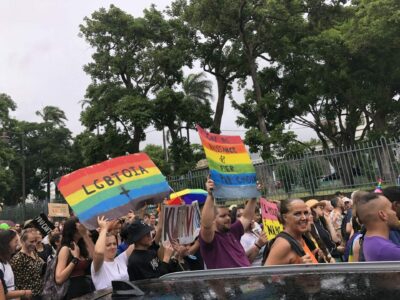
(52, 290)
(293, 244)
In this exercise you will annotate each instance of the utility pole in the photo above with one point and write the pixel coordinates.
(23, 175)
(165, 144)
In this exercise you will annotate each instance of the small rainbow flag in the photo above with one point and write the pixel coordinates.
(113, 187)
(230, 166)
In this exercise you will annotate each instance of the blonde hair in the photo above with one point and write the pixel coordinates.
(25, 232)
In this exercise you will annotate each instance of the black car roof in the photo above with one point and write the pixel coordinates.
(322, 281)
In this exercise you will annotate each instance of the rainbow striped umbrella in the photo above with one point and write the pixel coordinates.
(190, 195)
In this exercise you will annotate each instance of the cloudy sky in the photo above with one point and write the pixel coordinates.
(41, 57)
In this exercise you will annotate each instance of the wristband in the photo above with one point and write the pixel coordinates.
(75, 261)
(255, 244)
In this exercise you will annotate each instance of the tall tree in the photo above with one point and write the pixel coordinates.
(216, 44)
(172, 110)
(53, 115)
(197, 95)
(6, 152)
(134, 57)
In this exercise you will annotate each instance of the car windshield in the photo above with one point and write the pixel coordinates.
(330, 281)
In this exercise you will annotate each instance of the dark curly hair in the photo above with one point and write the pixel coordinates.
(6, 236)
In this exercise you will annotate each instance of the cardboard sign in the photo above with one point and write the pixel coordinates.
(42, 224)
(113, 187)
(181, 222)
(230, 166)
(58, 210)
(269, 213)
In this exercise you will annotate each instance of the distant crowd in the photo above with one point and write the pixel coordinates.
(72, 261)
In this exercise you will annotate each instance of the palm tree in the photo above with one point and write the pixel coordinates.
(197, 90)
(53, 115)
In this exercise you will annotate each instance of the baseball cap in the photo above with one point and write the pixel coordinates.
(137, 230)
(4, 226)
(345, 199)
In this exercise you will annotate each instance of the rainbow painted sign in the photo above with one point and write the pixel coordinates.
(113, 187)
(230, 166)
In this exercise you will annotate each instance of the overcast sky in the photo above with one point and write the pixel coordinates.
(41, 57)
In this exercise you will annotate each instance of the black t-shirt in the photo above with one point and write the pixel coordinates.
(47, 251)
(195, 262)
(324, 235)
(144, 264)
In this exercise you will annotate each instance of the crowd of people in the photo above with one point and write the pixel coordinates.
(72, 261)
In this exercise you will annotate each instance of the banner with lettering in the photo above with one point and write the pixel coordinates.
(230, 166)
(43, 224)
(113, 187)
(269, 213)
(181, 222)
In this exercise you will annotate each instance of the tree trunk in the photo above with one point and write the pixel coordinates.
(137, 137)
(219, 110)
(262, 125)
(188, 133)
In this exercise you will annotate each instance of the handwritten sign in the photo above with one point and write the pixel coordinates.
(42, 224)
(181, 222)
(230, 166)
(58, 210)
(269, 213)
(113, 187)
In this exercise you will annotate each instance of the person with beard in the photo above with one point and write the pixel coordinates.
(376, 213)
(219, 239)
(393, 194)
(289, 247)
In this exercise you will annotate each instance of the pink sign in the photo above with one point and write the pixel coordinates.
(269, 212)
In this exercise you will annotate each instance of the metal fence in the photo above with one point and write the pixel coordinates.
(20, 213)
(316, 174)
(320, 173)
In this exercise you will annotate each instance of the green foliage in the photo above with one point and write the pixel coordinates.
(157, 155)
(134, 57)
(214, 43)
(183, 110)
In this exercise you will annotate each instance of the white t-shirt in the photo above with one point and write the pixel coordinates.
(8, 276)
(109, 271)
(247, 240)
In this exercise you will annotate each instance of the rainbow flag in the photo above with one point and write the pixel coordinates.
(113, 187)
(230, 166)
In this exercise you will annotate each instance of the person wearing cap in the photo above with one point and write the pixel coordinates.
(4, 226)
(318, 228)
(106, 266)
(144, 262)
(348, 214)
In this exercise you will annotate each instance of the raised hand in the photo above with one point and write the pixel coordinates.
(209, 185)
(103, 223)
(262, 239)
